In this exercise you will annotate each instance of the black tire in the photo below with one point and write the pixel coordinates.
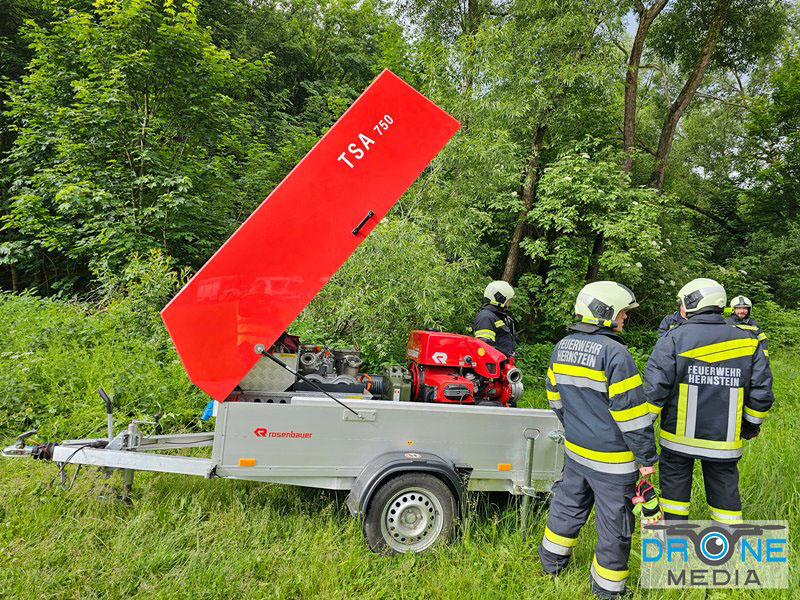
(409, 513)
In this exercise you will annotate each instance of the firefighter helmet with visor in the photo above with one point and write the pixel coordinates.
(603, 300)
(702, 293)
(499, 293)
(739, 301)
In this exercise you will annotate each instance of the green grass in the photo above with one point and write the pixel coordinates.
(185, 537)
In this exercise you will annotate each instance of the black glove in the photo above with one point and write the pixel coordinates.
(749, 431)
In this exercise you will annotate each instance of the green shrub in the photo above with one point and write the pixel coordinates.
(55, 354)
(781, 326)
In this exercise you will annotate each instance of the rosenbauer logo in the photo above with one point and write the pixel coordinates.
(263, 432)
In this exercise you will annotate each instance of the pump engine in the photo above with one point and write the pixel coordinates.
(458, 369)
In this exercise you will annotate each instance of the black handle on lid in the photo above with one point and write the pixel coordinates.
(370, 214)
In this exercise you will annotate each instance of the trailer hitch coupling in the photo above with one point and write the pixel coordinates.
(19, 448)
(22, 437)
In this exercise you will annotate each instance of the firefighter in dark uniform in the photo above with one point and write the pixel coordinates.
(671, 321)
(740, 316)
(596, 391)
(493, 324)
(712, 387)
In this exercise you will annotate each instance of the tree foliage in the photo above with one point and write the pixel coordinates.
(138, 134)
(132, 130)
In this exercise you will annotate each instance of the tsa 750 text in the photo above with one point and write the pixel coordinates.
(359, 149)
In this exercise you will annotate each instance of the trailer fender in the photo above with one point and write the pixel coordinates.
(456, 476)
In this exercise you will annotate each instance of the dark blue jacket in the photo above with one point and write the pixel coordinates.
(494, 325)
(708, 381)
(594, 387)
(670, 322)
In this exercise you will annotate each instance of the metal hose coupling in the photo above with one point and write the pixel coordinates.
(514, 375)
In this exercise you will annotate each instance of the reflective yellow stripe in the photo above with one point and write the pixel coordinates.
(551, 377)
(499, 323)
(739, 407)
(593, 374)
(683, 403)
(630, 413)
(747, 327)
(732, 513)
(485, 333)
(719, 347)
(677, 502)
(732, 517)
(654, 410)
(559, 539)
(723, 350)
(674, 509)
(761, 336)
(754, 413)
(606, 457)
(680, 513)
(730, 521)
(766, 353)
(625, 385)
(730, 354)
(698, 443)
(553, 395)
(595, 321)
(608, 573)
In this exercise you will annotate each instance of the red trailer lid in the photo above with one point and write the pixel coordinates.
(257, 283)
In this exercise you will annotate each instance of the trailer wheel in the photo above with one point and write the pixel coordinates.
(409, 513)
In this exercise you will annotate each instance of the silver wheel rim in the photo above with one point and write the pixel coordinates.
(412, 520)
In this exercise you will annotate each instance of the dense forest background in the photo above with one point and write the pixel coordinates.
(647, 142)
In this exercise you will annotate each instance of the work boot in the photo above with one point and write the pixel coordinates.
(599, 592)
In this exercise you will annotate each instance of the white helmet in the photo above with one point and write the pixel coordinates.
(702, 293)
(499, 293)
(603, 300)
(741, 301)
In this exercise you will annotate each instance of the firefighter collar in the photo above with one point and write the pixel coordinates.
(499, 311)
(713, 318)
(596, 329)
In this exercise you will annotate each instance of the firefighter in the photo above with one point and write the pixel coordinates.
(712, 388)
(594, 388)
(493, 324)
(740, 315)
(671, 321)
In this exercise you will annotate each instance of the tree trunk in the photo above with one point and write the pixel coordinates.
(677, 108)
(594, 259)
(646, 18)
(528, 194)
(14, 279)
(470, 26)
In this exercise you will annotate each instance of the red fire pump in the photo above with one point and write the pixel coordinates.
(458, 369)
